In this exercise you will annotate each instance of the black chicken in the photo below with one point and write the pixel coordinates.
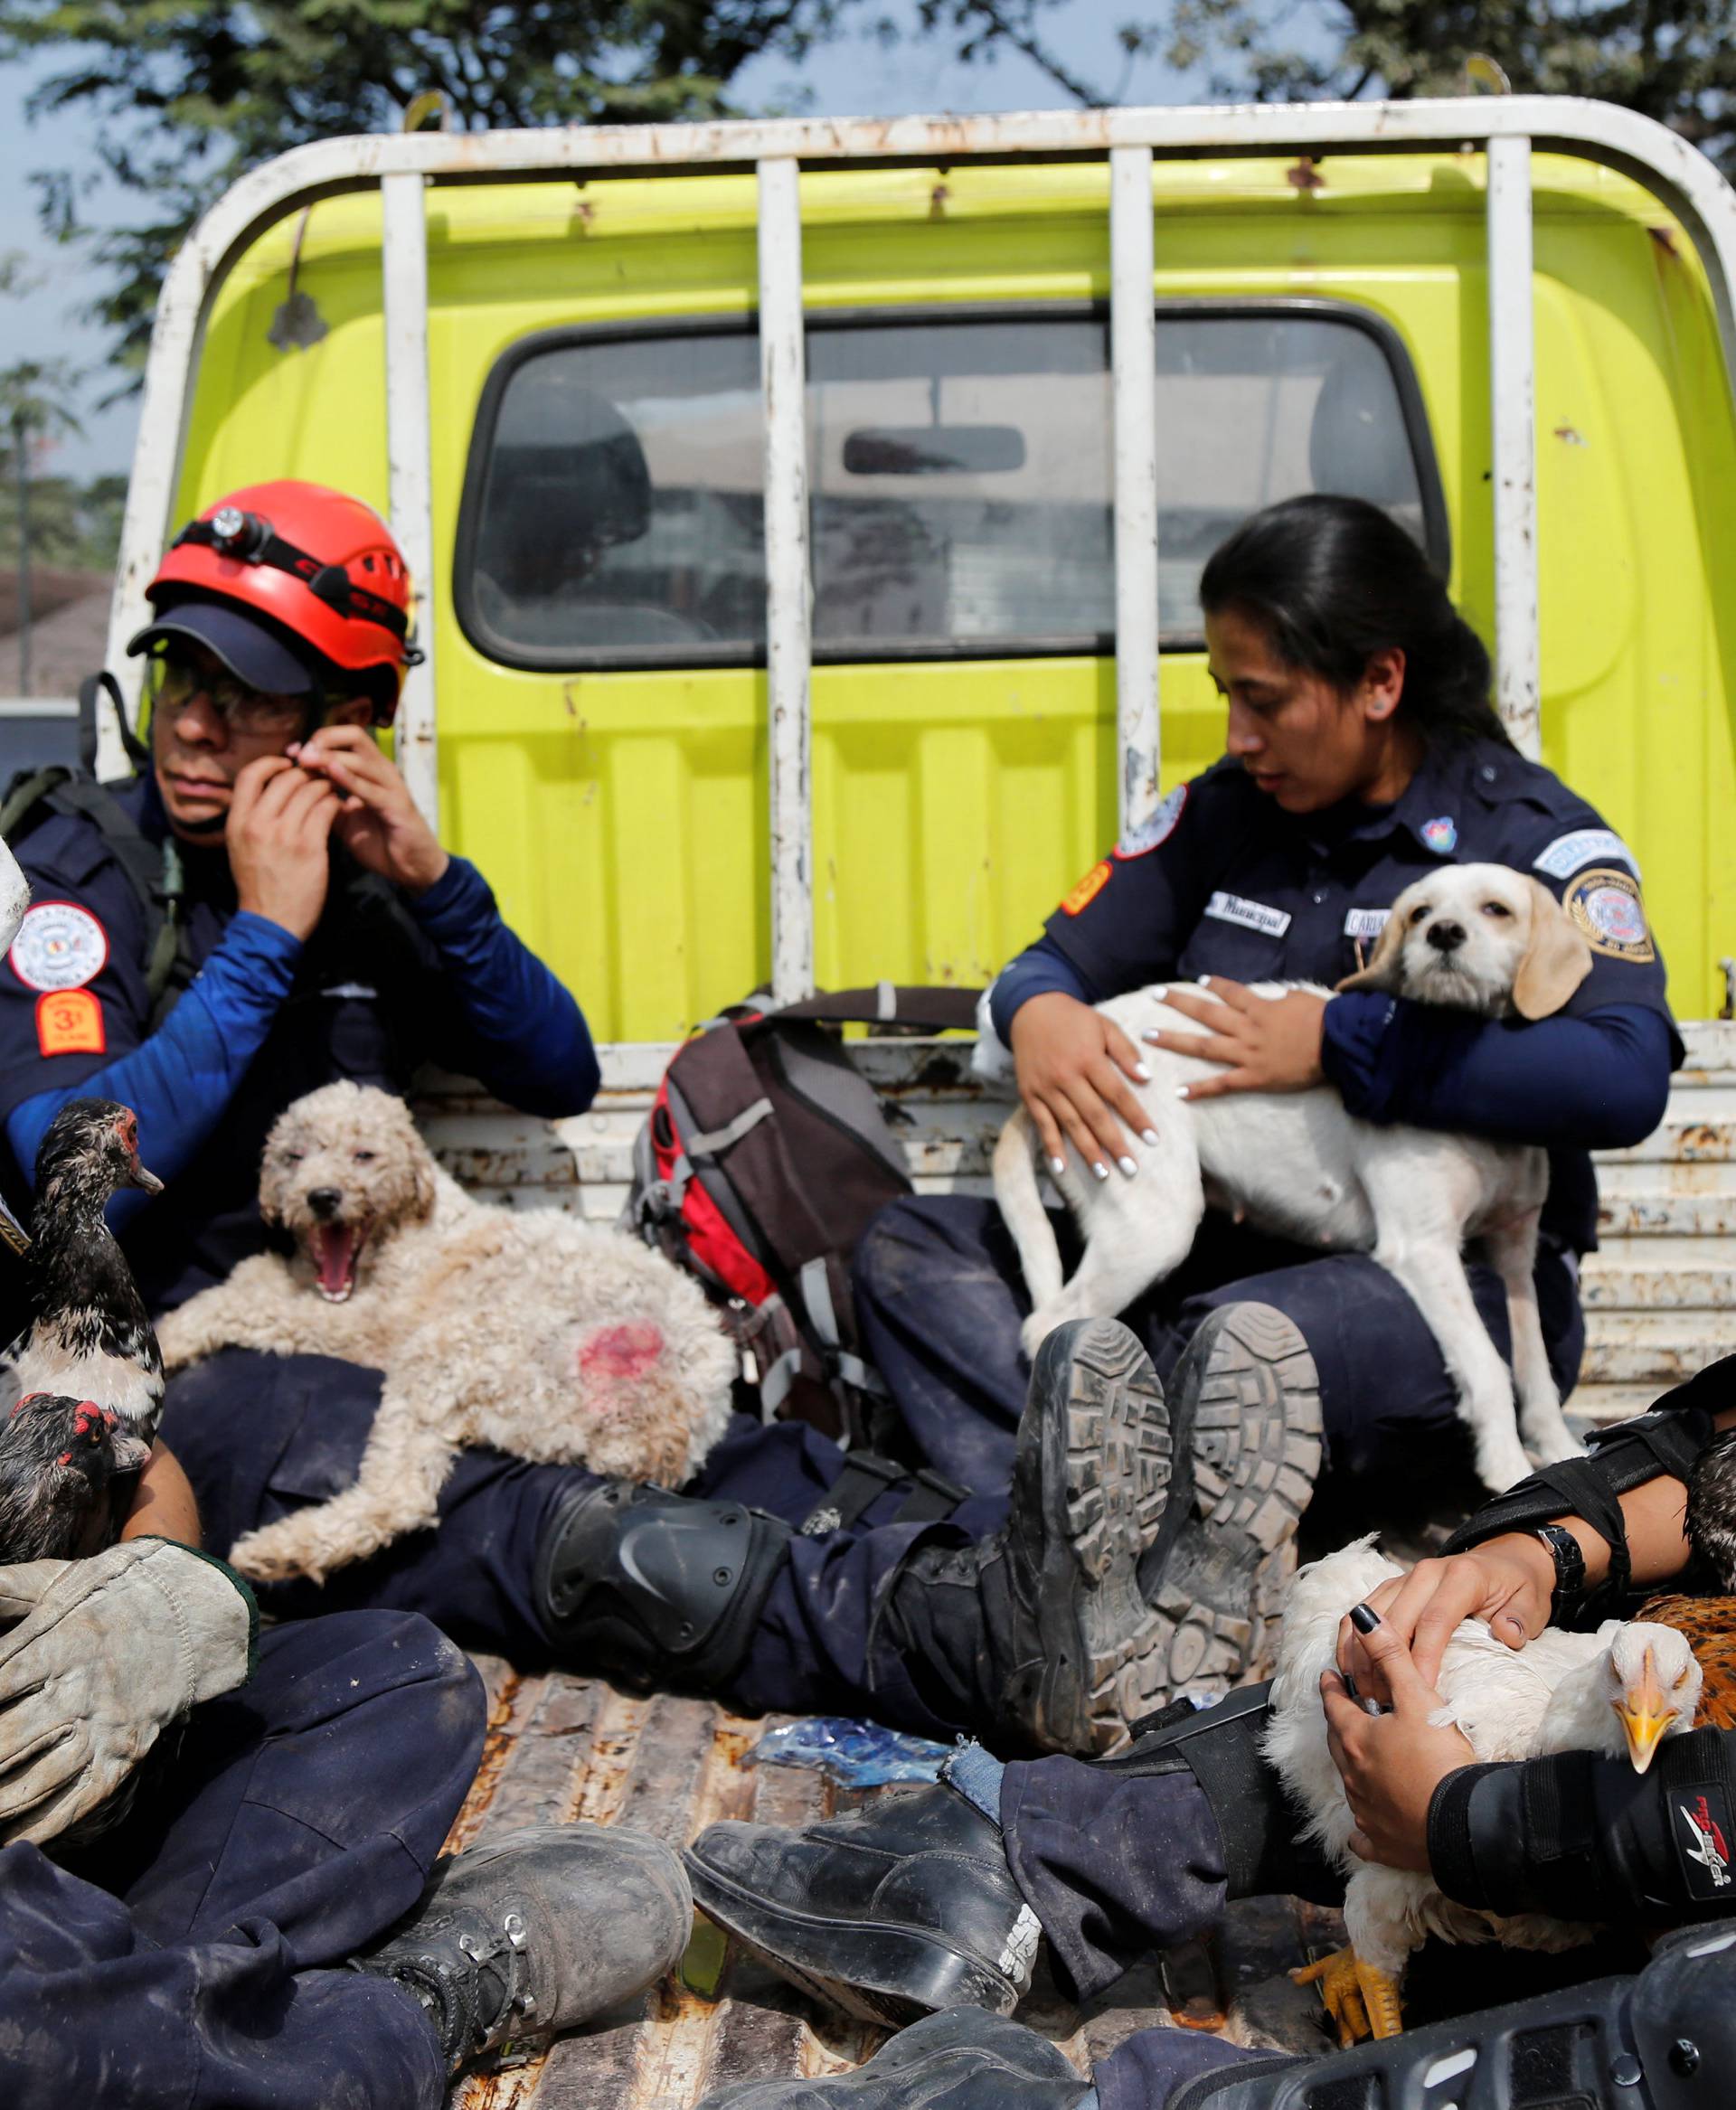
(91, 1338)
(59, 1459)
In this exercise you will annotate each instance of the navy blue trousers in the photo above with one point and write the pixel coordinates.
(262, 1434)
(939, 1300)
(1115, 1866)
(194, 1956)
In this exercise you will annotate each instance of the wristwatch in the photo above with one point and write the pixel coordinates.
(1569, 1556)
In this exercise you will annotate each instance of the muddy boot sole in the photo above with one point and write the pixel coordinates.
(1254, 1454)
(1105, 1462)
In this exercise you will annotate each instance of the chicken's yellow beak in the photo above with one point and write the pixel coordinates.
(1645, 1714)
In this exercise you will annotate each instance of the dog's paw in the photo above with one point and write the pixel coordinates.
(1554, 1450)
(272, 1555)
(1035, 1330)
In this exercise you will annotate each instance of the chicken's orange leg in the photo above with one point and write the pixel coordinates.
(1361, 1998)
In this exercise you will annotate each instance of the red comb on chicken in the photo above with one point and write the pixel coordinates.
(60, 1460)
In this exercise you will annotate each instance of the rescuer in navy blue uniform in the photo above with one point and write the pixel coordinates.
(319, 930)
(199, 1947)
(1361, 753)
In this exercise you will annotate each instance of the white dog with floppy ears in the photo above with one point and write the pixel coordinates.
(1474, 938)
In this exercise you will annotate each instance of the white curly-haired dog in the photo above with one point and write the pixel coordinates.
(1473, 937)
(554, 1340)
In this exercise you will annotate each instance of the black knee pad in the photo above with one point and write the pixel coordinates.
(655, 1589)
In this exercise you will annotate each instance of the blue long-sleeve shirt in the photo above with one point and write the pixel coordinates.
(1222, 881)
(386, 982)
(1599, 1082)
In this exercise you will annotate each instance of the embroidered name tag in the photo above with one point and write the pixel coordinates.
(1251, 915)
(1365, 922)
(1566, 854)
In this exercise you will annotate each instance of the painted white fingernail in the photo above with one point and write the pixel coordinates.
(1127, 1166)
(1203, 980)
(1151, 1137)
(1142, 1073)
(1057, 1165)
(1160, 993)
(1102, 1172)
(1152, 1037)
(1181, 1091)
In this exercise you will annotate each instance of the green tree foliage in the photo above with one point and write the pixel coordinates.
(180, 96)
(74, 525)
(1672, 60)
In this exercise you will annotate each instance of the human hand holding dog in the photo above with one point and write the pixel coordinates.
(1392, 1763)
(377, 821)
(1266, 1044)
(1506, 1582)
(1072, 1066)
(277, 835)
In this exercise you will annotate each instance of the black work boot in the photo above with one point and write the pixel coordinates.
(908, 1908)
(961, 2060)
(536, 1932)
(1244, 1406)
(1038, 1636)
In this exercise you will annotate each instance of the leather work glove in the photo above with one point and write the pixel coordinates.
(106, 1654)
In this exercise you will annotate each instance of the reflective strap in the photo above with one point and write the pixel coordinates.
(885, 1000)
(711, 1141)
(775, 1385)
(863, 1376)
(817, 1295)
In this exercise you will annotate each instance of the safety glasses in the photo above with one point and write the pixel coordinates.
(175, 681)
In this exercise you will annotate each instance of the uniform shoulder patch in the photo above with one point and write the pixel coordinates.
(1082, 895)
(1566, 854)
(1605, 905)
(68, 1022)
(1158, 826)
(59, 946)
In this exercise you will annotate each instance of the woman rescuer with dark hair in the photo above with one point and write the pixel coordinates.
(1361, 753)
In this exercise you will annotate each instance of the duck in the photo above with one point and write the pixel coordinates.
(60, 1460)
(1618, 1691)
(90, 1338)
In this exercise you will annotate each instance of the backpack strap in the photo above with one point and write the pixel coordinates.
(153, 870)
(942, 1009)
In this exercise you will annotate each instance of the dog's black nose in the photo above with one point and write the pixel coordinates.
(325, 1201)
(1446, 938)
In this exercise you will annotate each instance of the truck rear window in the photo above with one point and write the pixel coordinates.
(960, 469)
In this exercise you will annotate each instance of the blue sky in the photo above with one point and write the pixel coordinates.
(853, 76)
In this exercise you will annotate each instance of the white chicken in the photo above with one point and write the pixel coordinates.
(1618, 1691)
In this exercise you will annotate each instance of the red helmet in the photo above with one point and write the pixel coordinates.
(319, 564)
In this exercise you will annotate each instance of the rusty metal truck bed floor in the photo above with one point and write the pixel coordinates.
(561, 1747)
